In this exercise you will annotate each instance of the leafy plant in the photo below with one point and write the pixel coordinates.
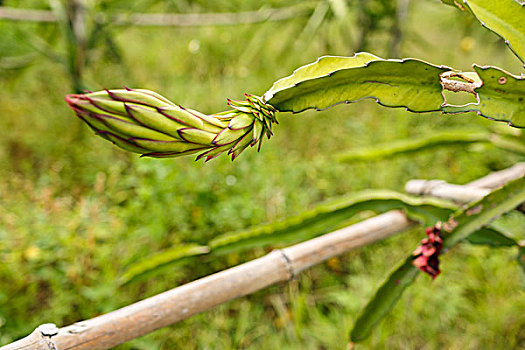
(453, 138)
(75, 42)
(145, 122)
(322, 219)
(467, 223)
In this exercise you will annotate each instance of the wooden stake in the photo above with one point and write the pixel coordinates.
(470, 192)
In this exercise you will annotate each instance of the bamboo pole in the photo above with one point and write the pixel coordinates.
(470, 192)
(145, 316)
(168, 19)
(499, 178)
(442, 189)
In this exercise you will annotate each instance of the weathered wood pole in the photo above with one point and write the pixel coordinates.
(470, 192)
(143, 317)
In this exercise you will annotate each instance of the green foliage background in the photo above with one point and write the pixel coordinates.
(75, 212)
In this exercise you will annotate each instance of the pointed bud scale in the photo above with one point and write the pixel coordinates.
(257, 133)
(241, 121)
(131, 129)
(88, 105)
(170, 154)
(213, 153)
(122, 143)
(253, 104)
(243, 109)
(198, 136)
(150, 118)
(181, 116)
(108, 106)
(94, 123)
(154, 94)
(137, 97)
(208, 118)
(165, 146)
(228, 136)
(241, 145)
(145, 122)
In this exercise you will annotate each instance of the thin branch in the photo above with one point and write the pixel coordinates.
(16, 14)
(397, 27)
(211, 19)
(145, 316)
(169, 19)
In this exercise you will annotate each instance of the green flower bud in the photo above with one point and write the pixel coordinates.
(145, 122)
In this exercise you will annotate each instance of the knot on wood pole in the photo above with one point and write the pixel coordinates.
(47, 331)
(288, 265)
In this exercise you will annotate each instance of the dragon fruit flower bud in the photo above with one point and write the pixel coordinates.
(145, 122)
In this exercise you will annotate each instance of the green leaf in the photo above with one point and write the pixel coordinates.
(506, 18)
(521, 257)
(509, 143)
(147, 267)
(466, 222)
(482, 212)
(391, 290)
(492, 237)
(398, 147)
(385, 298)
(331, 216)
(501, 97)
(408, 83)
(511, 225)
(505, 231)
(322, 67)
(443, 139)
(320, 220)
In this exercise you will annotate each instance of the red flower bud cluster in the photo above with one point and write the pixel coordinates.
(426, 256)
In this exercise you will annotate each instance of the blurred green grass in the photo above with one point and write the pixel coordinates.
(75, 211)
